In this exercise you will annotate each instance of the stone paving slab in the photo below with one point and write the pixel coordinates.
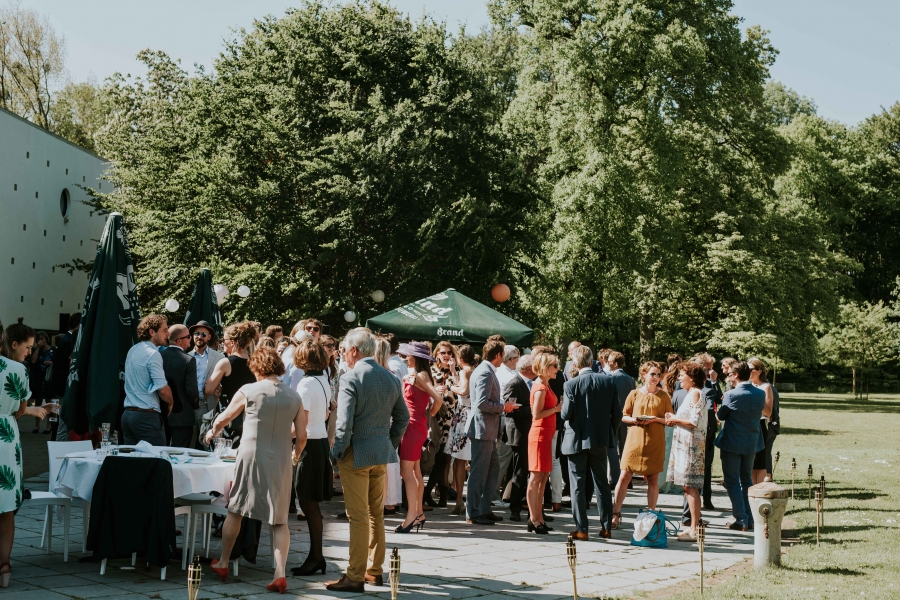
(446, 560)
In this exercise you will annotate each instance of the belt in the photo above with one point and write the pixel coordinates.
(136, 409)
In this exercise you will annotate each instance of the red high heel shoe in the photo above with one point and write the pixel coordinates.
(279, 585)
(221, 572)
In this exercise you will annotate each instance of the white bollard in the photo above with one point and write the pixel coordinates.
(768, 502)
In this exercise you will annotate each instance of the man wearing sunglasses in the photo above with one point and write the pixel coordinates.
(202, 335)
(181, 374)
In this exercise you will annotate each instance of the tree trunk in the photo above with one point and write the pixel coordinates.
(854, 380)
(648, 337)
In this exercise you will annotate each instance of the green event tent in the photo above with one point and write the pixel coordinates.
(108, 329)
(203, 305)
(451, 316)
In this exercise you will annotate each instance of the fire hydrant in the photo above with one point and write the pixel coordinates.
(768, 502)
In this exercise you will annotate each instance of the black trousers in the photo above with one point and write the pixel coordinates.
(519, 479)
(585, 466)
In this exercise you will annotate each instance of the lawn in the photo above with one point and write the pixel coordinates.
(857, 445)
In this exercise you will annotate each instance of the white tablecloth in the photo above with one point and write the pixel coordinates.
(79, 471)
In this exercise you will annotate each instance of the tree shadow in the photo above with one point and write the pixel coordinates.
(842, 405)
(799, 431)
(827, 571)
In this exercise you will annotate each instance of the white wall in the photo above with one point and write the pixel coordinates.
(30, 287)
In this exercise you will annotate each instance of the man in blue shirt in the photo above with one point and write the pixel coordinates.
(146, 388)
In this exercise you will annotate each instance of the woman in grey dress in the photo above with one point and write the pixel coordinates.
(262, 474)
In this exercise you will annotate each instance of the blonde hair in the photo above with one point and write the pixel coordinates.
(542, 362)
(383, 352)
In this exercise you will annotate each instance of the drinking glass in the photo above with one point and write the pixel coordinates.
(53, 411)
(113, 444)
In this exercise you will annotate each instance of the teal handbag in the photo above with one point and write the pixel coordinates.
(658, 536)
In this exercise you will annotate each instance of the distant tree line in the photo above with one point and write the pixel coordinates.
(629, 169)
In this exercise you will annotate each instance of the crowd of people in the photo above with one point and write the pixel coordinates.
(397, 422)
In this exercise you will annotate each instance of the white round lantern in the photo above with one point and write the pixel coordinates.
(349, 316)
(243, 291)
(378, 296)
(172, 305)
(221, 292)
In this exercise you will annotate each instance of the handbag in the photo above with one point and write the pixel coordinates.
(658, 535)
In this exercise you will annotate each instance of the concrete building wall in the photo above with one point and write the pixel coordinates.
(36, 168)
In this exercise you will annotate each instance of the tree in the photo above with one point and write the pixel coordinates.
(863, 338)
(332, 152)
(32, 63)
(78, 113)
(656, 156)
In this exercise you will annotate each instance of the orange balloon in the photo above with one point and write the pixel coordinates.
(500, 292)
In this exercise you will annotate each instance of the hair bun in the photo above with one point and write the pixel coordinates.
(21, 320)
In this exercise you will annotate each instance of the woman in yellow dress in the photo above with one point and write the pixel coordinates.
(645, 447)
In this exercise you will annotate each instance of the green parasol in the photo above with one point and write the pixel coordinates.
(108, 329)
(451, 316)
(204, 306)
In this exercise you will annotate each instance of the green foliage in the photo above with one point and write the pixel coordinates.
(18, 454)
(15, 387)
(7, 478)
(864, 337)
(334, 151)
(7, 433)
(78, 113)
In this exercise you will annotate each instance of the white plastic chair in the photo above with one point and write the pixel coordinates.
(214, 509)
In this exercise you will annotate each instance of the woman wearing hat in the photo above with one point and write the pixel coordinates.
(418, 389)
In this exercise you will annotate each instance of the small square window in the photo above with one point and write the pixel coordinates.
(81, 243)
(64, 238)
(35, 194)
(24, 226)
(101, 185)
(42, 301)
(79, 306)
(83, 179)
(67, 171)
(21, 298)
(53, 269)
(48, 163)
(33, 265)
(28, 155)
(45, 233)
(15, 187)
(13, 261)
(60, 303)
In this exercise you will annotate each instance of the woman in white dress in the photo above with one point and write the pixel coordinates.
(15, 345)
(457, 443)
(686, 462)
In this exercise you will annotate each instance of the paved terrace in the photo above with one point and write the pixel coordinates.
(447, 559)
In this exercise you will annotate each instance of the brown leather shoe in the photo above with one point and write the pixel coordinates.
(345, 584)
(375, 580)
(579, 535)
(605, 534)
(555, 507)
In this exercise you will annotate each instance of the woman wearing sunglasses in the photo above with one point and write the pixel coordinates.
(444, 374)
(544, 406)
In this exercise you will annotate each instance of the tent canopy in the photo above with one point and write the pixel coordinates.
(451, 316)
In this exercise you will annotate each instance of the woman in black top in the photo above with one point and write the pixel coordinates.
(233, 373)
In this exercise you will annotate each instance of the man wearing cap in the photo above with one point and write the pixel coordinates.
(206, 359)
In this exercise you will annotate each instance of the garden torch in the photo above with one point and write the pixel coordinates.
(394, 573)
(570, 555)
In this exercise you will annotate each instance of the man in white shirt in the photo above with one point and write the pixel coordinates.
(506, 372)
(398, 365)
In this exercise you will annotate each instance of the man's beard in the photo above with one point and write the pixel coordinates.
(200, 345)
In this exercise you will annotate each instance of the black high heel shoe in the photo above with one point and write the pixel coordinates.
(309, 569)
(419, 524)
(407, 529)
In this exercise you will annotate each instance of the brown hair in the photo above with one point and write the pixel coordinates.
(616, 357)
(310, 355)
(695, 372)
(647, 366)
(756, 363)
(266, 362)
(492, 348)
(18, 333)
(265, 342)
(154, 322)
(243, 334)
(271, 330)
(467, 355)
(444, 344)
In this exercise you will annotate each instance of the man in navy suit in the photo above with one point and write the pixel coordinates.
(624, 385)
(739, 440)
(590, 412)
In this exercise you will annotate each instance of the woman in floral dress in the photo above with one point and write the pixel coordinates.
(15, 346)
(686, 462)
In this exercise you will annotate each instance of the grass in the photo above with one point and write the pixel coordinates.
(857, 445)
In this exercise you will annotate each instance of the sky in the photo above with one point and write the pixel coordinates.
(844, 55)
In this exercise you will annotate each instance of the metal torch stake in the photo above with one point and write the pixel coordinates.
(822, 493)
(809, 498)
(701, 538)
(818, 514)
(394, 573)
(570, 555)
(775, 464)
(793, 475)
(194, 575)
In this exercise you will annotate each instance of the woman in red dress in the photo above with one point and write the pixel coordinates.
(418, 391)
(544, 406)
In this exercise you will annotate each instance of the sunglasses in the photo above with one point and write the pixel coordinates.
(312, 328)
(445, 353)
(201, 334)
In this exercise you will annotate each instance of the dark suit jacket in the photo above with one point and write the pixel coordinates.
(518, 422)
(590, 408)
(181, 375)
(740, 413)
(595, 367)
(624, 385)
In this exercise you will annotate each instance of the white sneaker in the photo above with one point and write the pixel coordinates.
(687, 536)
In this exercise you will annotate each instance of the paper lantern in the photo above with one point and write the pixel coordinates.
(221, 292)
(349, 316)
(378, 296)
(500, 292)
(243, 291)
(172, 305)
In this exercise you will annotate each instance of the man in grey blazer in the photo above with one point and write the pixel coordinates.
(482, 429)
(206, 359)
(181, 374)
(624, 385)
(371, 420)
(590, 412)
(739, 440)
